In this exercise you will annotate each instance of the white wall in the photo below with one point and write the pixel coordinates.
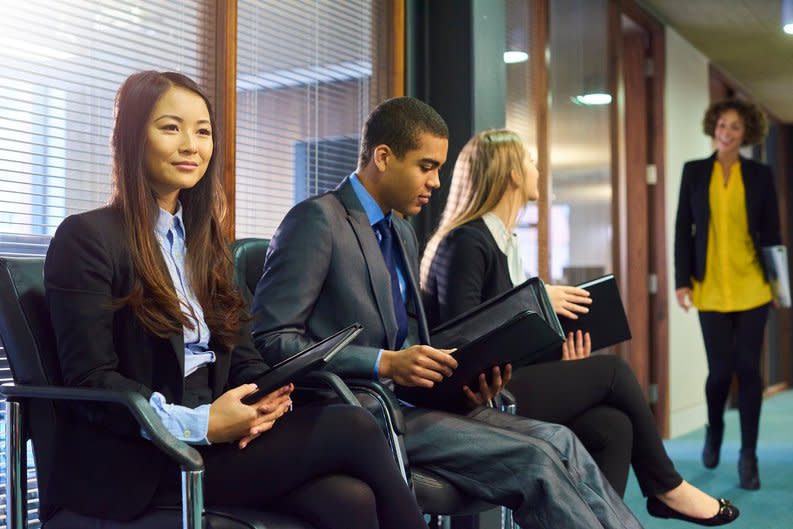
(687, 97)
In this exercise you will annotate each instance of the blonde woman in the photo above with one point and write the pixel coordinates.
(474, 256)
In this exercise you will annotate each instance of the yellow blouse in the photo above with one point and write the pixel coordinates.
(733, 278)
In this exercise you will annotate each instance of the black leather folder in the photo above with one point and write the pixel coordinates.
(311, 358)
(606, 321)
(517, 327)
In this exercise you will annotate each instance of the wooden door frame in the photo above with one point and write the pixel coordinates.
(656, 314)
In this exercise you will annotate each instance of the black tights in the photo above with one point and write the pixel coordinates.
(329, 465)
(733, 341)
(601, 401)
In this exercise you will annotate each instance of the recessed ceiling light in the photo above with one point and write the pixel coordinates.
(592, 99)
(514, 56)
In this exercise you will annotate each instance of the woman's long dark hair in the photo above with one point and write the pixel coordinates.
(208, 261)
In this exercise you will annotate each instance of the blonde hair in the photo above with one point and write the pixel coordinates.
(481, 176)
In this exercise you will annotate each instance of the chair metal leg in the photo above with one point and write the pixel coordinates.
(192, 499)
(506, 518)
(506, 514)
(16, 468)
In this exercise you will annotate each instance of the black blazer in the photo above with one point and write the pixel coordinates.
(103, 467)
(324, 270)
(468, 268)
(693, 214)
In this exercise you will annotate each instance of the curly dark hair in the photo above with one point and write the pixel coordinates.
(754, 120)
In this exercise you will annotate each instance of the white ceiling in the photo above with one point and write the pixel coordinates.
(744, 38)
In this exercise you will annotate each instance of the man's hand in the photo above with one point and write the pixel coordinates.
(568, 301)
(683, 298)
(577, 346)
(231, 420)
(418, 365)
(487, 392)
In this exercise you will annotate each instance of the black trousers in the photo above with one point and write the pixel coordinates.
(733, 342)
(328, 465)
(601, 401)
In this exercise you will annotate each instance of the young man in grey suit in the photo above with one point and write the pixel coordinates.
(345, 256)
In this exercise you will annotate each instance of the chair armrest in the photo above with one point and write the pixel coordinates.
(385, 396)
(325, 379)
(506, 402)
(186, 456)
(507, 398)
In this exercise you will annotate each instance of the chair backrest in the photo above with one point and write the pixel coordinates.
(25, 322)
(248, 255)
(29, 342)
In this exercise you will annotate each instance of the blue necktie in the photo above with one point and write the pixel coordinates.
(389, 249)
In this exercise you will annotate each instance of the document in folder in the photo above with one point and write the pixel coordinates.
(775, 260)
(518, 327)
(606, 321)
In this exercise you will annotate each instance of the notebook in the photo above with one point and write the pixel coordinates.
(606, 321)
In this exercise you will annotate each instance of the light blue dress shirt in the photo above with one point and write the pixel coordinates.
(187, 424)
(375, 214)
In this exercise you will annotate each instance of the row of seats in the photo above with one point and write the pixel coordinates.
(32, 413)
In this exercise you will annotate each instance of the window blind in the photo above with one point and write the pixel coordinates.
(306, 80)
(60, 66)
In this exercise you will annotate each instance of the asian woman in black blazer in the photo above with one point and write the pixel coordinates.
(727, 212)
(142, 299)
(473, 256)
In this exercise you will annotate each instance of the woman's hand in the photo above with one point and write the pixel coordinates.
(231, 420)
(567, 301)
(576, 346)
(684, 298)
(487, 392)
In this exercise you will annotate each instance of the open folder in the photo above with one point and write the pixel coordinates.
(517, 327)
(606, 321)
(775, 260)
(309, 359)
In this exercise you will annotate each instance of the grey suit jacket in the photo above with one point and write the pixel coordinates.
(324, 270)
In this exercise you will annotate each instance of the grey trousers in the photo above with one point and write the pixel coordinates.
(539, 470)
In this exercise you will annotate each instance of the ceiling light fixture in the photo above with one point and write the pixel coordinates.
(515, 56)
(787, 16)
(592, 99)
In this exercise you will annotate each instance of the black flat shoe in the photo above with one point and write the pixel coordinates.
(747, 472)
(712, 449)
(727, 513)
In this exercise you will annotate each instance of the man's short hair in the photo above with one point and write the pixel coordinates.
(398, 123)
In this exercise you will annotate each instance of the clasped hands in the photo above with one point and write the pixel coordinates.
(570, 301)
(231, 420)
(424, 366)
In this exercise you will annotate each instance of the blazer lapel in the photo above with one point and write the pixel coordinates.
(378, 273)
(750, 188)
(177, 346)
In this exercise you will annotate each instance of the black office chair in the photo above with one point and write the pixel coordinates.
(435, 495)
(31, 414)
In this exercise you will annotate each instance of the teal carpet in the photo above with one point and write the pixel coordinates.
(771, 507)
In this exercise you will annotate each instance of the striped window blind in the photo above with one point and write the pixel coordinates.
(306, 80)
(60, 66)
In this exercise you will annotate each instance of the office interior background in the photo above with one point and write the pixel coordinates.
(607, 94)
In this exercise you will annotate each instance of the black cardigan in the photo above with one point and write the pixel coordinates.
(693, 214)
(468, 268)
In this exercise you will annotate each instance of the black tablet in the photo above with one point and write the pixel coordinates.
(311, 358)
